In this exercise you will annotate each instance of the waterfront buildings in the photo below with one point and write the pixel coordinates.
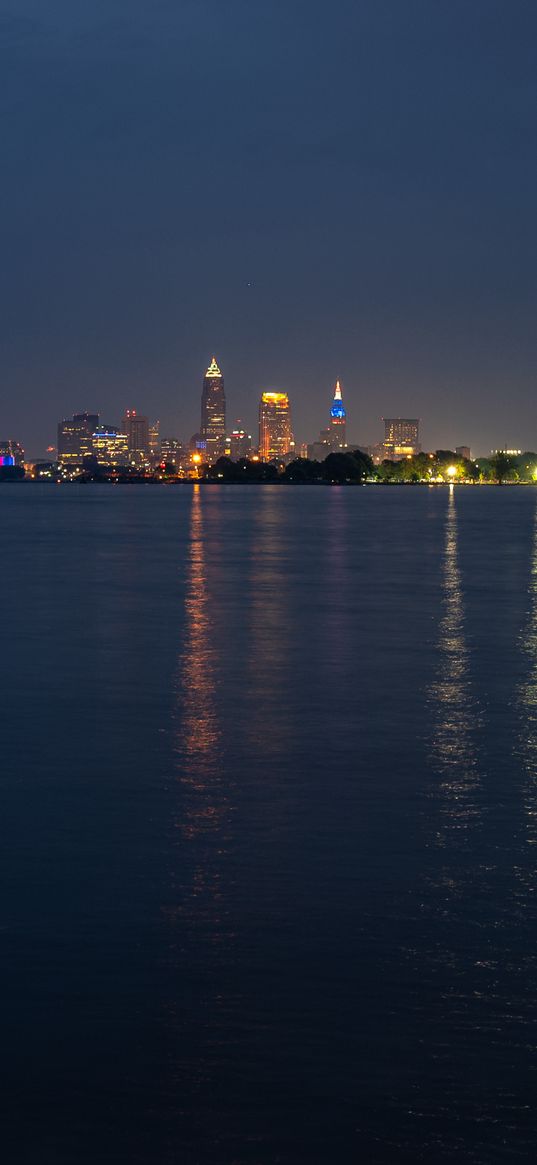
(75, 438)
(213, 413)
(401, 437)
(275, 434)
(463, 451)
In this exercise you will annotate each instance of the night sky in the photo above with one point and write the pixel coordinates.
(307, 189)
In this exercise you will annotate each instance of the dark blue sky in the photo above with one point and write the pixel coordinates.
(306, 189)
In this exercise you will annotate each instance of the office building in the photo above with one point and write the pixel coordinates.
(213, 413)
(401, 437)
(239, 443)
(136, 427)
(173, 452)
(75, 438)
(338, 421)
(154, 441)
(110, 446)
(275, 434)
(464, 451)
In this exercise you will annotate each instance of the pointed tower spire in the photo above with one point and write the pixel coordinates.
(213, 369)
(337, 393)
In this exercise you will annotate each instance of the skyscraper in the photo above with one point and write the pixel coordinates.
(213, 412)
(401, 437)
(338, 420)
(275, 435)
(154, 441)
(136, 427)
(75, 438)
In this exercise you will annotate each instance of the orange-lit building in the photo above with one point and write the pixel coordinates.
(275, 432)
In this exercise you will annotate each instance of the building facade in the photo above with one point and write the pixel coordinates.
(239, 443)
(213, 412)
(154, 441)
(275, 432)
(75, 438)
(110, 447)
(173, 452)
(401, 437)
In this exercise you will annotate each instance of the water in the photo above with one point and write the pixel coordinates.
(269, 825)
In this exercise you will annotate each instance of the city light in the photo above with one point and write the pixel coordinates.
(452, 471)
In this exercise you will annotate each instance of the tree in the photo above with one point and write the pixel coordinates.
(340, 468)
(503, 467)
(302, 471)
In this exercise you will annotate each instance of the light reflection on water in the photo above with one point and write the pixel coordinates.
(316, 865)
(455, 709)
(528, 735)
(202, 825)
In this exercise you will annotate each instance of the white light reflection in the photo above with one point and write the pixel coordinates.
(456, 711)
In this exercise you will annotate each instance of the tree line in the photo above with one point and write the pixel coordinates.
(356, 467)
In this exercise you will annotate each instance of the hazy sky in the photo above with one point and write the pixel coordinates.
(308, 189)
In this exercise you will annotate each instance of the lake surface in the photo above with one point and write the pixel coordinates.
(269, 825)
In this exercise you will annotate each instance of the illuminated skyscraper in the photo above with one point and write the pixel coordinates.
(401, 437)
(75, 438)
(275, 435)
(213, 412)
(338, 420)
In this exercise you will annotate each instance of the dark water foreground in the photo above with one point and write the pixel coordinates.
(269, 826)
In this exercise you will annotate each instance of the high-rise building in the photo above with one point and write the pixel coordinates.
(172, 451)
(154, 441)
(464, 451)
(275, 434)
(239, 443)
(110, 446)
(75, 438)
(401, 437)
(213, 412)
(136, 426)
(338, 420)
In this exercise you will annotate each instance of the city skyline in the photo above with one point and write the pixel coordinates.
(305, 427)
(142, 437)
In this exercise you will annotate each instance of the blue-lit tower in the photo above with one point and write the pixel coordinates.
(338, 420)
